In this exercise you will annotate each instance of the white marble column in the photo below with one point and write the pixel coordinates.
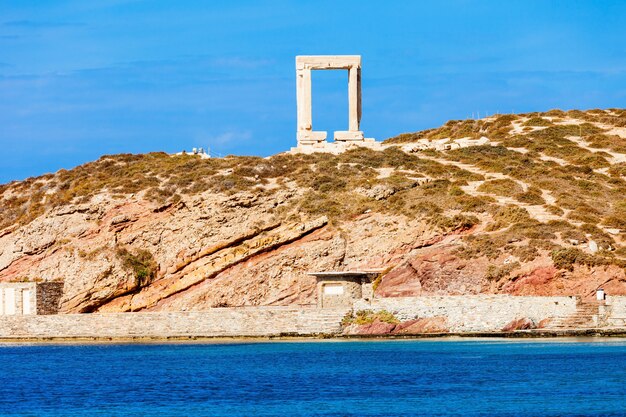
(303, 96)
(353, 99)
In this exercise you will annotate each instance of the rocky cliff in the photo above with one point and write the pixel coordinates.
(528, 204)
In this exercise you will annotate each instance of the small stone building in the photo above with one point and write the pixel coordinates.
(25, 298)
(343, 288)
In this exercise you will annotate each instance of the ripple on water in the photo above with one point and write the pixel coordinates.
(381, 378)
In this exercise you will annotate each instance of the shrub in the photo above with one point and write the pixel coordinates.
(505, 216)
(503, 187)
(580, 215)
(525, 253)
(325, 184)
(538, 121)
(362, 317)
(618, 222)
(141, 262)
(316, 203)
(472, 203)
(495, 273)
(532, 196)
(457, 222)
(566, 258)
(479, 245)
(557, 211)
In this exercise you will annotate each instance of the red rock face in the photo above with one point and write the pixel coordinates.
(400, 282)
(438, 271)
(256, 259)
(372, 329)
(583, 281)
(277, 277)
(534, 282)
(428, 325)
(519, 324)
(545, 323)
(434, 270)
(423, 326)
(264, 261)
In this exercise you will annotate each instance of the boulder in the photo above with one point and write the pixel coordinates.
(523, 323)
(423, 325)
(375, 328)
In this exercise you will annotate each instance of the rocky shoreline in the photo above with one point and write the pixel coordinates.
(520, 334)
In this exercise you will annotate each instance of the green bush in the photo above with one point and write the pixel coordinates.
(141, 262)
(508, 215)
(362, 317)
(457, 222)
(502, 187)
(532, 196)
(495, 273)
(525, 253)
(538, 121)
(566, 258)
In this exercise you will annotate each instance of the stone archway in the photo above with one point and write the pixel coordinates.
(304, 65)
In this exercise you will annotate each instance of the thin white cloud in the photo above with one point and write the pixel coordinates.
(228, 137)
(30, 24)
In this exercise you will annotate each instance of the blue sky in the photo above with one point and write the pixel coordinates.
(79, 79)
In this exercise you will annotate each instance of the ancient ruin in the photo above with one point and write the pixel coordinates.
(26, 298)
(343, 288)
(304, 64)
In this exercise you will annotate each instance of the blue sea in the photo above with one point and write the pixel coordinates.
(323, 378)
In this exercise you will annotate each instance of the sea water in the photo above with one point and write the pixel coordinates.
(344, 378)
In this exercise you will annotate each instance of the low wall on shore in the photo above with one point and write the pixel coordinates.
(476, 313)
(479, 313)
(617, 303)
(617, 310)
(217, 322)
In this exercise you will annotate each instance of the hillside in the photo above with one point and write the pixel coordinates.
(519, 204)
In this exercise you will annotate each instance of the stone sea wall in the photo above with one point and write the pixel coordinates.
(617, 310)
(478, 313)
(481, 313)
(217, 322)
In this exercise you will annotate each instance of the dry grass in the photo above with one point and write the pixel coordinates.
(362, 317)
(585, 196)
(537, 121)
(501, 187)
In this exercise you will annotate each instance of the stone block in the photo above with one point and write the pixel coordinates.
(328, 61)
(311, 136)
(342, 135)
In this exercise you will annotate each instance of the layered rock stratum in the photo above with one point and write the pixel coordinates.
(529, 204)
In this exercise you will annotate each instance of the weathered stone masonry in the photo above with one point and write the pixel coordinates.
(25, 298)
(489, 313)
(474, 313)
(304, 65)
(217, 322)
(342, 288)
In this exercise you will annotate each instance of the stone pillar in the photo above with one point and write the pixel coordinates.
(19, 309)
(306, 135)
(9, 301)
(353, 99)
(358, 97)
(354, 107)
(303, 94)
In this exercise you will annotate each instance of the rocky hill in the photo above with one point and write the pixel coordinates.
(519, 204)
